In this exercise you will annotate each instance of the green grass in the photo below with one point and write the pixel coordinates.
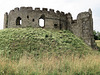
(13, 42)
(36, 51)
(51, 65)
(98, 43)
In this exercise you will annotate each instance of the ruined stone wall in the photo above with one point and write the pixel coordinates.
(81, 27)
(5, 20)
(30, 17)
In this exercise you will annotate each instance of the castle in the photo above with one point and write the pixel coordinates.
(27, 17)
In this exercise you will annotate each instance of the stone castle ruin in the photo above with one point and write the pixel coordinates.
(27, 17)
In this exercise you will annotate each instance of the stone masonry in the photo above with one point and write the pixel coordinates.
(27, 17)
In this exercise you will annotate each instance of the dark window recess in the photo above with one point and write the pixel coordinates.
(33, 20)
(55, 25)
(18, 21)
(27, 17)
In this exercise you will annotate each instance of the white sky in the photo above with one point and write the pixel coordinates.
(72, 6)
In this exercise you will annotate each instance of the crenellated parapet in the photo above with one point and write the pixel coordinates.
(27, 9)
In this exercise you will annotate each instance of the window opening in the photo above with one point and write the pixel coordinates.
(41, 22)
(18, 21)
(55, 25)
(27, 17)
(32, 20)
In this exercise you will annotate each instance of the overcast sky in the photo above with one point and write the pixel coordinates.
(72, 6)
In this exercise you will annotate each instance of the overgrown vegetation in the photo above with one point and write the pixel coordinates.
(98, 44)
(51, 65)
(96, 35)
(13, 42)
(36, 51)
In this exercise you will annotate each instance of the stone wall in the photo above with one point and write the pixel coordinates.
(83, 27)
(27, 17)
(30, 17)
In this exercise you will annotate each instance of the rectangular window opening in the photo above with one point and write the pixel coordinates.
(55, 25)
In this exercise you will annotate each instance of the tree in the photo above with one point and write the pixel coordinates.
(96, 35)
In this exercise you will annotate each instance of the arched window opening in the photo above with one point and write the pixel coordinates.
(18, 21)
(42, 21)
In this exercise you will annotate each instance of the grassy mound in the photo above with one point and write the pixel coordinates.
(36, 51)
(14, 42)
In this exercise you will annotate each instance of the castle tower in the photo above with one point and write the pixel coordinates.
(82, 27)
(85, 22)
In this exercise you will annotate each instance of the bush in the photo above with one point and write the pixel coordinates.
(96, 35)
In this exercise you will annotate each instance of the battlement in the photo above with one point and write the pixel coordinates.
(44, 10)
(26, 9)
(37, 9)
(58, 12)
(16, 9)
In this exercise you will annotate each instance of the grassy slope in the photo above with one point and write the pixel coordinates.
(35, 40)
(45, 52)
